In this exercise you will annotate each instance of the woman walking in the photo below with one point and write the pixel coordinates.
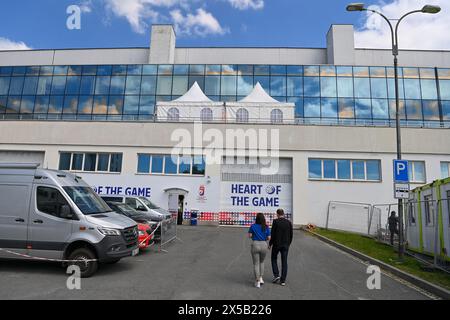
(259, 232)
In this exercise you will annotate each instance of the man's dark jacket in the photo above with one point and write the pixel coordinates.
(282, 233)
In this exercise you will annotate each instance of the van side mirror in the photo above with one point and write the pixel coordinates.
(141, 208)
(66, 212)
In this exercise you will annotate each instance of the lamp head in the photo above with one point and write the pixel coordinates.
(431, 9)
(355, 7)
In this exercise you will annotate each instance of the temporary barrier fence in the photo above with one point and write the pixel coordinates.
(423, 228)
(349, 216)
(169, 231)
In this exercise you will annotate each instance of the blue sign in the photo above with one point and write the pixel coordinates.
(401, 173)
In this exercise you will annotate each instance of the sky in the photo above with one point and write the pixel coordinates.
(42, 24)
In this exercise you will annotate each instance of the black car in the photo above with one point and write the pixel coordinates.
(135, 215)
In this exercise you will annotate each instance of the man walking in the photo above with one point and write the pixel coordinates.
(393, 226)
(280, 241)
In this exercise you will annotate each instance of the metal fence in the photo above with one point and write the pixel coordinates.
(426, 235)
(169, 231)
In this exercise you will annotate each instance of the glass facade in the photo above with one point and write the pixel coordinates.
(322, 94)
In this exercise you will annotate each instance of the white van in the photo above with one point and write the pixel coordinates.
(56, 215)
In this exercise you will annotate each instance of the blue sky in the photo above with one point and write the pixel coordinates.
(287, 23)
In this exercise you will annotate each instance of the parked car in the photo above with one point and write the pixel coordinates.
(56, 215)
(145, 225)
(141, 204)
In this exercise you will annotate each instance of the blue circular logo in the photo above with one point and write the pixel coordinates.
(270, 189)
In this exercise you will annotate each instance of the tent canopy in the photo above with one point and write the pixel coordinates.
(195, 94)
(258, 95)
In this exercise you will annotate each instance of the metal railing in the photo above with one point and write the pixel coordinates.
(436, 124)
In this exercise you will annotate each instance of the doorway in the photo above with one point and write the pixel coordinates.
(180, 209)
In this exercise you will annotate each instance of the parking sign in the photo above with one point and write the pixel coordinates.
(401, 174)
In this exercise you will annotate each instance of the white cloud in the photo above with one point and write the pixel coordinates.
(418, 31)
(202, 23)
(6, 44)
(140, 13)
(86, 6)
(247, 4)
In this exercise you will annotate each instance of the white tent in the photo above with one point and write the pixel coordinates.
(259, 106)
(194, 105)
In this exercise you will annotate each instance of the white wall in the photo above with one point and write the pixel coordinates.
(311, 197)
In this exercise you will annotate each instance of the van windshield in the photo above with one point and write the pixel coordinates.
(148, 203)
(87, 200)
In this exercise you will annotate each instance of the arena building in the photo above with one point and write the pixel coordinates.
(327, 115)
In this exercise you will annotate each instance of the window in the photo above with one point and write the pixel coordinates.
(417, 171)
(345, 170)
(77, 161)
(448, 206)
(173, 115)
(171, 165)
(242, 116)
(429, 210)
(144, 163)
(373, 170)
(276, 116)
(445, 170)
(358, 170)
(87, 200)
(329, 169)
(116, 163)
(50, 201)
(185, 165)
(157, 164)
(64, 161)
(198, 166)
(206, 115)
(103, 162)
(315, 169)
(90, 162)
(412, 214)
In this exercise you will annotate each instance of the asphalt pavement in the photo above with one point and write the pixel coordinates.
(207, 263)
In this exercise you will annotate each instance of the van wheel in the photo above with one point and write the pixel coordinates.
(87, 269)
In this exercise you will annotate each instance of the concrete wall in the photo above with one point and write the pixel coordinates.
(407, 58)
(292, 137)
(250, 56)
(74, 57)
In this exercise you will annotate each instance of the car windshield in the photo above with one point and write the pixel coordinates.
(87, 200)
(148, 203)
(128, 210)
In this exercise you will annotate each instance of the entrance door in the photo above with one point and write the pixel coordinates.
(173, 203)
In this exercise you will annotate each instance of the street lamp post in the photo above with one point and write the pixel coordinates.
(431, 9)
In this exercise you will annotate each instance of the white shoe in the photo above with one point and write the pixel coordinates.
(257, 284)
(261, 281)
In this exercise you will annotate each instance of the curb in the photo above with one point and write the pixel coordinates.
(423, 284)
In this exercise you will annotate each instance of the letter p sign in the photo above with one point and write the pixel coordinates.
(401, 174)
